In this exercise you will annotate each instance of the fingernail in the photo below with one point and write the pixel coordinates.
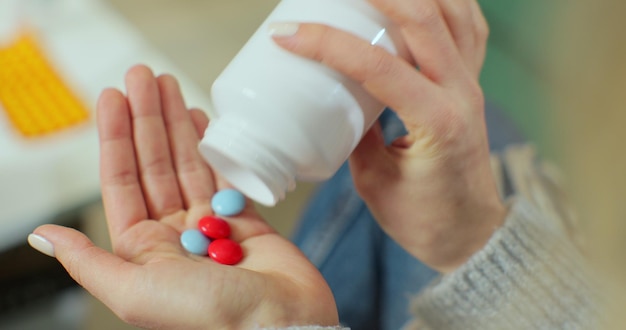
(41, 244)
(283, 29)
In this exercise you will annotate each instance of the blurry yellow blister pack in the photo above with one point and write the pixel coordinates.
(34, 97)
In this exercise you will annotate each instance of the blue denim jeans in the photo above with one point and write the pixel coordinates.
(371, 276)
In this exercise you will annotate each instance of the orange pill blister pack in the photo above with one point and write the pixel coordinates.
(34, 97)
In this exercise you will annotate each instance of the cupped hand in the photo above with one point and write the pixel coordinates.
(155, 185)
(431, 190)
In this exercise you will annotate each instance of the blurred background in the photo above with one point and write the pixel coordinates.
(88, 45)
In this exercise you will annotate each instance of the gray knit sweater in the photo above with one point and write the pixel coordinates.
(527, 277)
(530, 275)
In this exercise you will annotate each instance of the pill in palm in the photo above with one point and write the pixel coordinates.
(214, 227)
(225, 251)
(228, 202)
(194, 241)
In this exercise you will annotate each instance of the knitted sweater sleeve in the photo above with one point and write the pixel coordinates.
(530, 275)
(526, 277)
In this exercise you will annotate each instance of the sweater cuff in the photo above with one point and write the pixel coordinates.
(528, 276)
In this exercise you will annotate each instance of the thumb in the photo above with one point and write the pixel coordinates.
(96, 269)
(370, 162)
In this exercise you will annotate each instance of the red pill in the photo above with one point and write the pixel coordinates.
(214, 227)
(225, 251)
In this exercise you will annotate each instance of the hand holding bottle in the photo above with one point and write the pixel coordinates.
(432, 190)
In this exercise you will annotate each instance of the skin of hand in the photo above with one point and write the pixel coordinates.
(433, 190)
(155, 185)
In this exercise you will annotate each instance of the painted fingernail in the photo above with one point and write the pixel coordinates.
(283, 29)
(41, 244)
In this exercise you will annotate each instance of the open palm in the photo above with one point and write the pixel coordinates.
(155, 185)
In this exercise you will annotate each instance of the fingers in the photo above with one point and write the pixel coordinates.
(460, 21)
(93, 268)
(482, 34)
(386, 77)
(469, 30)
(195, 179)
(149, 164)
(156, 169)
(427, 36)
(200, 121)
(121, 188)
(370, 164)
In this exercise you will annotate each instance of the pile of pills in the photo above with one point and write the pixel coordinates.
(212, 236)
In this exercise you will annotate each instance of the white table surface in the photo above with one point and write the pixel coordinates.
(92, 47)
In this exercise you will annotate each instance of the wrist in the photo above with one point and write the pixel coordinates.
(479, 226)
(292, 308)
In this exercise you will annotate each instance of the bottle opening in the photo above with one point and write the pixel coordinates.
(231, 145)
(242, 178)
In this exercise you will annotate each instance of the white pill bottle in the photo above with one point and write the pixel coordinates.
(278, 117)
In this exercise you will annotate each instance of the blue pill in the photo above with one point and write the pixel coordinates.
(195, 242)
(228, 202)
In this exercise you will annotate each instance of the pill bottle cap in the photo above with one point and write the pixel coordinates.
(237, 152)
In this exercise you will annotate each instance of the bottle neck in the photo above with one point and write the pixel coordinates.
(250, 164)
